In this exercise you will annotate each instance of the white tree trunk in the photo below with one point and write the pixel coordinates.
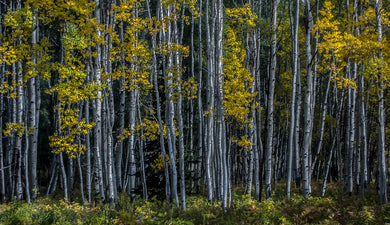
(308, 117)
(270, 104)
(295, 46)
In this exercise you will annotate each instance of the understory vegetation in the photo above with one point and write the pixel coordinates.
(334, 208)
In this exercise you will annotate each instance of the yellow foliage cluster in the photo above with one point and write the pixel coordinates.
(151, 129)
(238, 98)
(243, 142)
(11, 128)
(356, 42)
(132, 51)
(190, 89)
(242, 15)
(71, 90)
(158, 163)
(71, 127)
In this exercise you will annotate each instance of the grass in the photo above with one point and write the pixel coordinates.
(334, 208)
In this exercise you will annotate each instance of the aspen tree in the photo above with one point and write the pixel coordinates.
(308, 117)
(295, 55)
(381, 113)
(270, 104)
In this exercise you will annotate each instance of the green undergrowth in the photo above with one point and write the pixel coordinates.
(334, 208)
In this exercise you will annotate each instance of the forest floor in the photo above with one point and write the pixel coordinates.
(334, 208)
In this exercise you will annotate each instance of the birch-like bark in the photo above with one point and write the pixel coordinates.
(362, 137)
(88, 175)
(33, 123)
(258, 189)
(191, 111)
(181, 146)
(132, 143)
(53, 176)
(142, 157)
(2, 146)
(382, 187)
(25, 158)
(178, 38)
(210, 98)
(64, 177)
(19, 134)
(81, 179)
(270, 104)
(110, 116)
(327, 166)
(121, 116)
(110, 154)
(71, 177)
(221, 119)
(295, 55)
(352, 139)
(87, 137)
(170, 108)
(308, 117)
(200, 103)
(2, 155)
(98, 112)
(322, 126)
(349, 144)
(297, 151)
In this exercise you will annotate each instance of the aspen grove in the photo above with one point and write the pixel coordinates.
(171, 98)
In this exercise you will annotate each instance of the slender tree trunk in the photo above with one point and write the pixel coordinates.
(181, 148)
(178, 38)
(19, 134)
(132, 143)
(259, 111)
(53, 176)
(98, 113)
(25, 162)
(270, 105)
(362, 137)
(200, 104)
(33, 123)
(141, 158)
(327, 166)
(308, 104)
(297, 151)
(71, 178)
(110, 153)
(322, 126)
(81, 179)
(221, 119)
(382, 187)
(64, 177)
(170, 109)
(210, 99)
(2, 155)
(295, 55)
